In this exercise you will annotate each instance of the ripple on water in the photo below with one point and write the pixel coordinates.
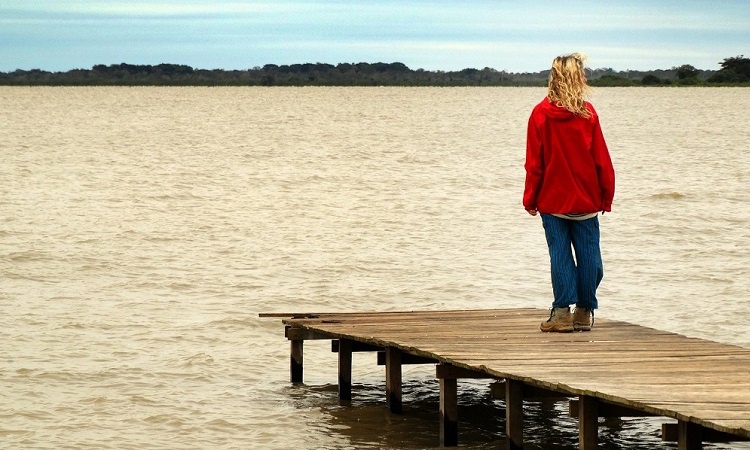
(146, 228)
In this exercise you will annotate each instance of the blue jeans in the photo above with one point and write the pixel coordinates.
(574, 281)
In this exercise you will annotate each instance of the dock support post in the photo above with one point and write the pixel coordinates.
(393, 379)
(345, 369)
(588, 422)
(448, 412)
(295, 362)
(689, 436)
(514, 413)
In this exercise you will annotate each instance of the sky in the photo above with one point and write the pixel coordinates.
(515, 36)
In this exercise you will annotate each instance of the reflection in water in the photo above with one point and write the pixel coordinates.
(365, 422)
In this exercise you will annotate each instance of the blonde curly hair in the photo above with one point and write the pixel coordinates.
(567, 84)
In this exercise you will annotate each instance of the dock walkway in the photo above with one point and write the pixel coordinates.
(617, 369)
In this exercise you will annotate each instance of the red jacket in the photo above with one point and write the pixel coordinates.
(568, 168)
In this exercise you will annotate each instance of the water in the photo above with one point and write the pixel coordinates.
(142, 230)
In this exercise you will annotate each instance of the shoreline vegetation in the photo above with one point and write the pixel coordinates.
(735, 71)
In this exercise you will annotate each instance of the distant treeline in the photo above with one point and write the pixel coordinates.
(734, 71)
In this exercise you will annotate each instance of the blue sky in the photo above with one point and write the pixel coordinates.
(517, 36)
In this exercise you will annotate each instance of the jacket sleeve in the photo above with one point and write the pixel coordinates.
(534, 164)
(604, 169)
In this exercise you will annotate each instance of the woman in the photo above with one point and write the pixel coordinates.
(569, 179)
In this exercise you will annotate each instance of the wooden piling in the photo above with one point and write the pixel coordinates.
(448, 412)
(514, 414)
(588, 422)
(345, 369)
(689, 436)
(393, 379)
(296, 362)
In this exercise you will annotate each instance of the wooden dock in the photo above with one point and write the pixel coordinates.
(617, 369)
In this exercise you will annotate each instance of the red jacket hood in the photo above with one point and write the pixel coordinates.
(555, 112)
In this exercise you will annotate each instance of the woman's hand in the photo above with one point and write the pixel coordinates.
(531, 211)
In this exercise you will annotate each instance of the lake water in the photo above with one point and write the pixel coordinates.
(142, 230)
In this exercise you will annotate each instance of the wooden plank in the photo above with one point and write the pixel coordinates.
(302, 334)
(356, 346)
(736, 428)
(669, 433)
(288, 315)
(455, 372)
(497, 391)
(403, 316)
(606, 409)
(407, 358)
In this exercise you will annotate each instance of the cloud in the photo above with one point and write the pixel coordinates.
(432, 34)
(146, 8)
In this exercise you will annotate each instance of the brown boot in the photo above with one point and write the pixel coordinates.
(583, 319)
(560, 321)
